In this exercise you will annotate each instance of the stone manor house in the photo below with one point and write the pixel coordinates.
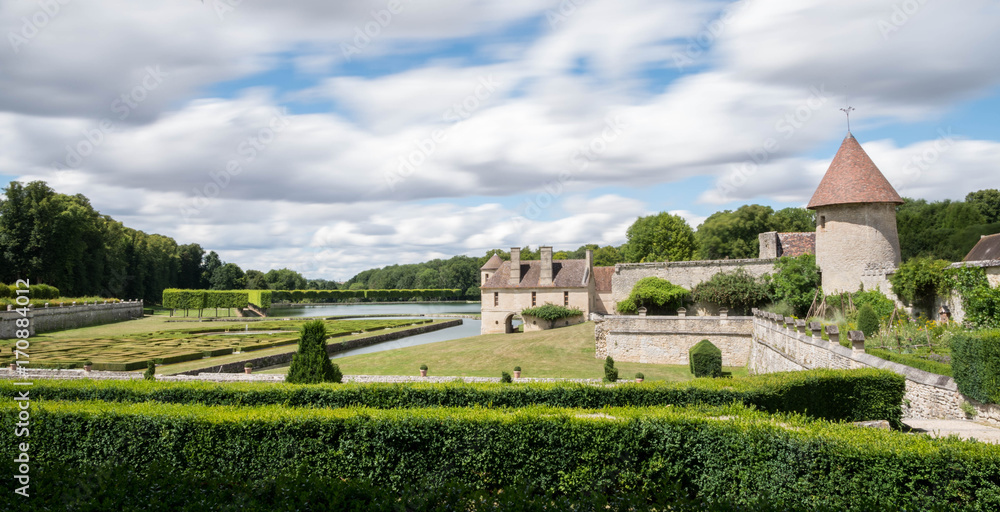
(855, 243)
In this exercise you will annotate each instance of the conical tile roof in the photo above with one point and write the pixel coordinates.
(493, 263)
(853, 178)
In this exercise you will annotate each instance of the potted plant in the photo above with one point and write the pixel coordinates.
(517, 372)
(639, 377)
(87, 365)
(423, 370)
(248, 368)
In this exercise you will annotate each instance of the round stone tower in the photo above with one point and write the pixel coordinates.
(856, 240)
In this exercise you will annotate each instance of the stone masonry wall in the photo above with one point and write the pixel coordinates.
(69, 317)
(667, 339)
(778, 348)
(682, 273)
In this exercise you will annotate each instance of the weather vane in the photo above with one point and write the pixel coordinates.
(848, 112)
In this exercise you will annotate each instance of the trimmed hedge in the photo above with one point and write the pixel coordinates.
(551, 312)
(912, 361)
(849, 395)
(726, 453)
(705, 359)
(975, 362)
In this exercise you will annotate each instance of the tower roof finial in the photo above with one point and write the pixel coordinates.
(848, 112)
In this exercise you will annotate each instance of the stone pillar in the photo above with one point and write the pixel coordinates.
(817, 329)
(545, 277)
(800, 326)
(834, 334)
(515, 266)
(857, 341)
(642, 311)
(724, 312)
(789, 323)
(682, 312)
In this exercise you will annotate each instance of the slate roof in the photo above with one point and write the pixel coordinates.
(988, 248)
(796, 244)
(565, 274)
(493, 263)
(602, 278)
(853, 178)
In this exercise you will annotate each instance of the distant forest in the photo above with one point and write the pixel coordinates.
(61, 240)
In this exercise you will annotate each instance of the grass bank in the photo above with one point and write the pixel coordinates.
(566, 353)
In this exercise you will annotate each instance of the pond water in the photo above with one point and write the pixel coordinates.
(469, 327)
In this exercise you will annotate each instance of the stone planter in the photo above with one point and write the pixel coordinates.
(638, 380)
(13, 367)
(423, 373)
(87, 367)
(248, 371)
(517, 374)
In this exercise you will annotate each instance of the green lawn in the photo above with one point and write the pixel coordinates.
(559, 353)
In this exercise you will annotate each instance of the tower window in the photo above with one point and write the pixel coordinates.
(565, 298)
(822, 222)
(532, 299)
(496, 299)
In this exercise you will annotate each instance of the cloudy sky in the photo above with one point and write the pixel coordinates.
(331, 137)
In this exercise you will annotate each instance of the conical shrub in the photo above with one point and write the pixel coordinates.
(868, 322)
(311, 364)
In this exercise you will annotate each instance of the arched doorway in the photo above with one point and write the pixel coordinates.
(508, 324)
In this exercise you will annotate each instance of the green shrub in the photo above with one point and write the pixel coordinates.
(657, 295)
(705, 359)
(551, 312)
(919, 280)
(975, 362)
(980, 301)
(639, 375)
(505, 378)
(738, 290)
(851, 395)
(311, 364)
(517, 368)
(868, 321)
(610, 372)
(911, 360)
(423, 367)
(726, 453)
(795, 282)
(150, 373)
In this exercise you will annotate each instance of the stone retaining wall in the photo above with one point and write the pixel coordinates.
(681, 273)
(55, 318)
(667, 339)
(331, 348)
(779, 347)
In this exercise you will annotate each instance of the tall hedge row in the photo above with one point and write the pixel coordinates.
(174, 298)
(725, 453)
(851, 395)
(975, 364)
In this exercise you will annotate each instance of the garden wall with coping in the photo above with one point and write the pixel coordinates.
(56, 318)
(781, 345)
(331, 348)
(667, 339)
(681, 273)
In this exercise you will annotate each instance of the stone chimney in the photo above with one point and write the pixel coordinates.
(545, 278)
(590, 260)
(515, 266)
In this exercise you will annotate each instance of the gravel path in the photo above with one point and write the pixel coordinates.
(965, 429)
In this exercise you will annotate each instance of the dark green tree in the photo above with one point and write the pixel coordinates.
(660, 237)
(228, 277)
(987, 202)
(796, 282)
(311, 364)
(734, 234)
(868, 321)
(737, 290)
